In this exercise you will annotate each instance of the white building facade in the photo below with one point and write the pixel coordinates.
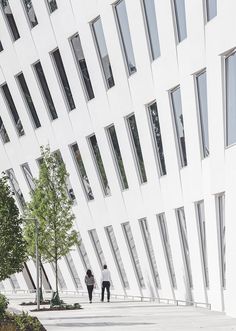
(139, 97)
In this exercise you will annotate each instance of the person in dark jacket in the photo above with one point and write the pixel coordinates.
(90, 282)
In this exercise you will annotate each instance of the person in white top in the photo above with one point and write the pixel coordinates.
(106, 282)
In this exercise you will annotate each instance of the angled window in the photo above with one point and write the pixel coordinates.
(151, 26)
(15, 187)
(73, 271)
(150, 252)
(201, 223)
(14, 282)
(28, 176)
(116, 255)
(230, 94)
(83, 254)
(82, 172)
(28, 100)
(45, 280)
(123, 25)
(180, 19)
(82, 66)
(102, 52)
(61, 280)
(117, 156)
(201, 86)
(220, 216)
(30, 13)
(156, 135)
(182, 228)
(97, 247)
(45, 90)
(3, 132)
(133, 132)
(52, 5)
(166, 247)
(99, 164)
(63, 78)
(133, 253)
(179, 125)
(12, 108)
(10, 19)
(1, 47)
(28, 278)
(211, 9)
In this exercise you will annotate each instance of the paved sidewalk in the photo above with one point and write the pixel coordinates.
(132, 316)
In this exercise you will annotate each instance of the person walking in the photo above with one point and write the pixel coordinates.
(106, 282)
(90, 282)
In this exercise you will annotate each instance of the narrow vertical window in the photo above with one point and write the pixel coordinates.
(117, 156)
(116, 254)
(45, 90)
(230, 78)
(220, 215)
(10, 19)
(28, 100)
(1, 47)
(99, 164)
(151, 25)
(73, 271)
(211, 9)
(52, 5)
(45, 280)
(83, 254)
(123, 24)
(133, 253)
(97, 247)
(167, 249)
(82, 66)
(15, 187)
(61, 280)
(14, 282)
(182, 228)
(150, 252)
(156, 134)
(201, 85)
(3, 132)
(28, 278)
(30, 13)
(82, 172)
(12, 108)
(180, 19)
(103, 53)
(179, 125)
(133, 131)
(28, 176)
(201, 223)
(63, 78)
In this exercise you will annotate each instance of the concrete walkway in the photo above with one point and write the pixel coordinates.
(131, 316)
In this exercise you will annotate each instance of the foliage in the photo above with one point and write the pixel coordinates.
(55, 301)
(12, 244)
(3, 305)
(25, 322)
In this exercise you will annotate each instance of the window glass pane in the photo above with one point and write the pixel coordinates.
(83, 254)
(211, 7)
(15, 187)
(30, 13)
(220, 204)
(201, 222)
(3, 132)
(81, 63)
(10, 18)
(99, 164)
(133, 253)
(103, 53)
(150, 252)
(82, 172)
(156, 133)
(46, 92)
(63, 78)
(97, 247)
(230, 70)
(151, 22)
(137, 148)
(179, 6)
(123, 23)
(12, 108)
(61, 280)
(1, 47)
(28, 278)
(167, 249)
(28, 176)
(14, 282)
(203, 111)
(116, 254)
(179, 125)
(28, 100)
(52, 5)
(117, 156)
(73, 271)
(184, 243)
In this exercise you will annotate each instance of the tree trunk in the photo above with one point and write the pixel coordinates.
(40, 280)
(56, 274)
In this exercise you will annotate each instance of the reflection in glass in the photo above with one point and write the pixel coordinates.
(52, 5)
(28, 176)
(211, 8)
(83, 254)
(10, 18)
(73, 271)
(180, 18)
(15, 187)
(3, 132)
(30, 13)
(97, 247)
(103, 53)
(123, 23)
(230, 72)
(220, 205)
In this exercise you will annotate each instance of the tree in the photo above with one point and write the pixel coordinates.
(12, 245)
(51, 206)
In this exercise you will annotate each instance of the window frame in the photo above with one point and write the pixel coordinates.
(27, 16)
